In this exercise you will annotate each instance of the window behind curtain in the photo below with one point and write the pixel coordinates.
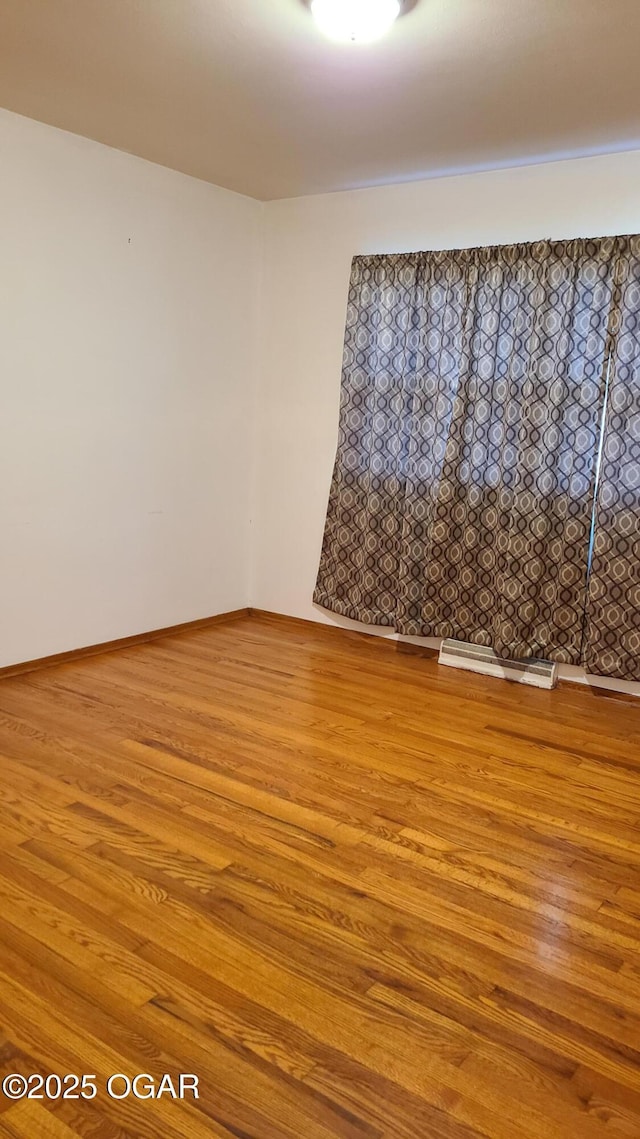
(472, 394)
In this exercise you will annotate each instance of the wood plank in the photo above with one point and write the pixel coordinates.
(361, 896)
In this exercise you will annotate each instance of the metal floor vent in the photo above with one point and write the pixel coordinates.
(477, 658)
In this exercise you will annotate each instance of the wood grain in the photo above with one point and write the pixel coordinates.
(359, 895)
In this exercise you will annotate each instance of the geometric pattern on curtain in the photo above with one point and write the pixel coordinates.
(612, 643)
(471, 403)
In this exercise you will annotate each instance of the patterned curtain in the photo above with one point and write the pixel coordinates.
(613, 615)
(472, 397)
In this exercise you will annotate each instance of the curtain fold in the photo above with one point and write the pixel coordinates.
(472, 395)
(363, 532)
(612, 638)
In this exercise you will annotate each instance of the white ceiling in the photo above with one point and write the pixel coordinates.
(249, 95)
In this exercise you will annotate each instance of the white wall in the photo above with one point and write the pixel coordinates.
(170, 371)
(309, 243)
(127, 361)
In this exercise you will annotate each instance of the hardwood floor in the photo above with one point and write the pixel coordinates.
(356, 894)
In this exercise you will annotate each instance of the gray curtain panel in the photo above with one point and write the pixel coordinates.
(612, 644)
(471, 408)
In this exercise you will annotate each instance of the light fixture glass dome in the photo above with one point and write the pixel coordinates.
(358, 20)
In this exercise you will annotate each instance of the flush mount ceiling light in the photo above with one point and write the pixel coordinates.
(360, 21)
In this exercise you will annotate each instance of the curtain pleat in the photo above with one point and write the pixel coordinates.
(473, 383)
